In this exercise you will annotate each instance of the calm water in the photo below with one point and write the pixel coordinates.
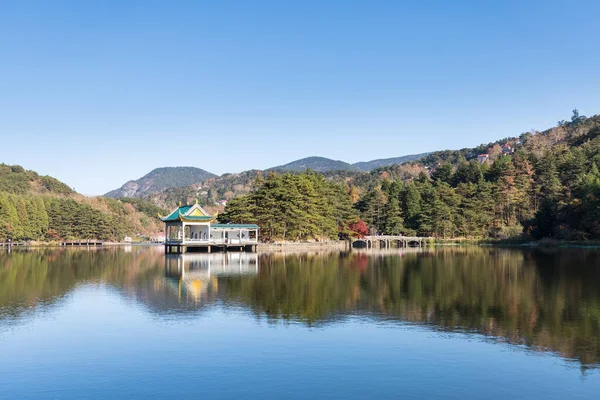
(460, 323)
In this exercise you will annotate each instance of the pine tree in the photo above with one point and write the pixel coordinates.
(411, 206)
(394, 220)
(9, 219)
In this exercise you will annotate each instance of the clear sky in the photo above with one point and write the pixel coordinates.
(96, 93)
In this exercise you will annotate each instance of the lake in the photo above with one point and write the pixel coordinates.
(441, 323)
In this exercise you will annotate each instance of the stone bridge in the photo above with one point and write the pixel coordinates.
(386, 241)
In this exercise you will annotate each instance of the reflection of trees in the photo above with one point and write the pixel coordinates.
(34, 278)
(544, 299)
(300, 287)
(30, 279)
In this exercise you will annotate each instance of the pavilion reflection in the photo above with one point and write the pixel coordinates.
(196, 275)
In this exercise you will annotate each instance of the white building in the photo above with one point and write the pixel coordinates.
(190, 226)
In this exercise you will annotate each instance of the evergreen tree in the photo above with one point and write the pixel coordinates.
(394, 220)
(411, 206)
(443, 174)
(9, 218)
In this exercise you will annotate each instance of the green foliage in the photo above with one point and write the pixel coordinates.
(14, 179)
(550, 186)
(43, 208)
(144, 206)
(54, 185)
(73, 220)
(294, 207)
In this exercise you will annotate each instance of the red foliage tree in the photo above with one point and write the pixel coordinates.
(359, 228)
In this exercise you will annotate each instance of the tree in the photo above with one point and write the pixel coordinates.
(359, 229)
(294, 207)
(468, 172)
(9, 218)
(393, 217)
(577, 119)
(411, 206)
(442, 174)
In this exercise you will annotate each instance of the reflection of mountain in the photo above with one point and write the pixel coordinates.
(546, 300)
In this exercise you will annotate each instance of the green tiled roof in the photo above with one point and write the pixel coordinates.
(181, 211)
(235, 226)
(174, 216)
(184, 209)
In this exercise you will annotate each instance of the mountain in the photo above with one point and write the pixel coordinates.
(208, 192)
(322, 164)
(367, 166)
(318, 164)
(162, 185)
(160, 179)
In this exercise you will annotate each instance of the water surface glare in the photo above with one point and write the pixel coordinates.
(445, 323)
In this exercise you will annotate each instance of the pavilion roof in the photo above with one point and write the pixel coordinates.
(188, 212)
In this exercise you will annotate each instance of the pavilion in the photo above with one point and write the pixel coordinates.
(190, 226)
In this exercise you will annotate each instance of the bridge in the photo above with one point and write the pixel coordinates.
(386, 241)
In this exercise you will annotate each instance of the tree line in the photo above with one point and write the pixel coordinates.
(48, 218)
(546, 186)
(294, 207)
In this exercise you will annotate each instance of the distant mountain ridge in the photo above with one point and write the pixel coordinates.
(367, 166)
(160, 179)
(318, 164)
(166, 178)
(323, 164)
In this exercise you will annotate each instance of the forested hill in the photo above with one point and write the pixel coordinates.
(160, 179)
(537, 185)
(41, 208)
(17, 180)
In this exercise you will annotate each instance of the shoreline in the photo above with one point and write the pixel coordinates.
(345, 245)
(302, 246)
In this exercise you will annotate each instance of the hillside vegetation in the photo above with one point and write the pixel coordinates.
(15, 179)
(532, 186)
(41, 208)
(168, 186)
(301, 206)
(538, 185)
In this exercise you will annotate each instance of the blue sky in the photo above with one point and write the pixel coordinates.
(96, 93)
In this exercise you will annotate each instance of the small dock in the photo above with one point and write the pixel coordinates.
(386, 241)
(10, 244)
(82, 243)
